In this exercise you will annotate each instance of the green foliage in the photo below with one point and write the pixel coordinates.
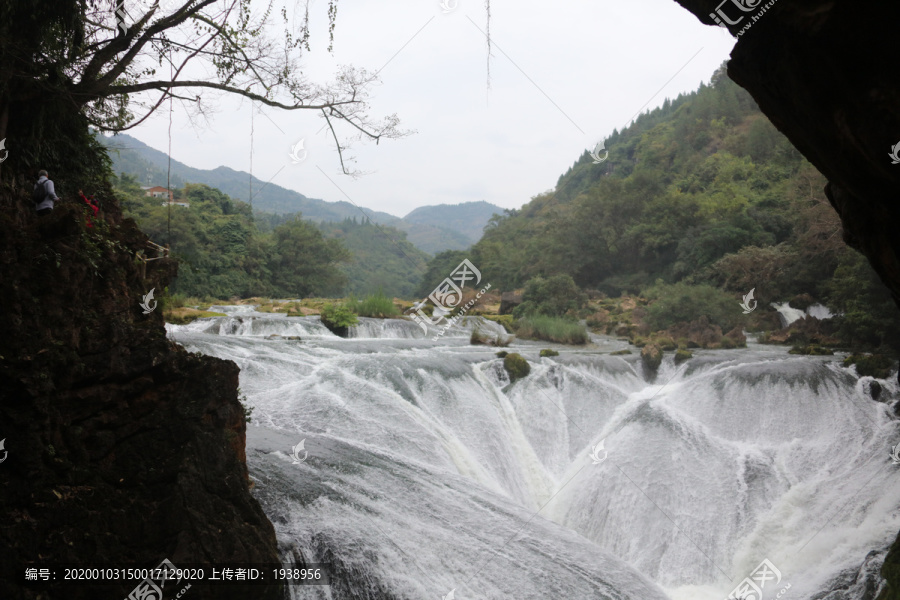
(248, 410)
(872, 365)
(376, 305)
(869, 315)
(682, 355)
(380, 258)
(811, 350)
(439, 268)
(516, 366)
(680, 302)
(176, 318)
(548, 352)
(303, 263)
(552, 329)
(554, 296)
(223, 254)
(338, 316)
(506, 320)
(696, 180)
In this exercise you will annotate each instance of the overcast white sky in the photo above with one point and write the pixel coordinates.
(564, 74)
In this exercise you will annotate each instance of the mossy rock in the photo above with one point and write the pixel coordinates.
(505, 320)
(873, 365)
(183, 316)
(682, 355)
(502, 354)
(801, 301)
(620, 352)
(549, 352)
(666, 344)
(811, 350)
(727, 343)
(516, 366)
(651, 356)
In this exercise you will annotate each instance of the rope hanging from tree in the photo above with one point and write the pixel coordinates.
(169, 167)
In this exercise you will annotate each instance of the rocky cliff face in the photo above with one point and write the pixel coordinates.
(824, 73)
(122, 448)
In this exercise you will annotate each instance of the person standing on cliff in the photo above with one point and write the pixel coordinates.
(44, 194)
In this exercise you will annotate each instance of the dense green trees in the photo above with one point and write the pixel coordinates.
(704, 191)
(552, 297)
(688, 183)
(382, 258)
(224, 255)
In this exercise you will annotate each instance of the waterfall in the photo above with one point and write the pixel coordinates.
(787, 314)
(428, 471)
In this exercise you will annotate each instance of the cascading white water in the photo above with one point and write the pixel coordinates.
(426, 467)
(787, 314)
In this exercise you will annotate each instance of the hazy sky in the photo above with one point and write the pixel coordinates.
(564, 74)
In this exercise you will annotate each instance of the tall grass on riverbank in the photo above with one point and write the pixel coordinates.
(551, 329)
(376, 305)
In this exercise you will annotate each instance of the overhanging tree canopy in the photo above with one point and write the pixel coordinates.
(68, 64)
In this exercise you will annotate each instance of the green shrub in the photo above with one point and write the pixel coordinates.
(666, 343)
(874, 365)
(811, 350)
(506, 320)
(376, 305)
(176, 300)
(552, 329)
(184, 319)
(554, 296)
(516, 366)
(549, 352)
(338, 318)
(683, 303)
(682, 355)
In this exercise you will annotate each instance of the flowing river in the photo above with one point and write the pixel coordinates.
(425, 474)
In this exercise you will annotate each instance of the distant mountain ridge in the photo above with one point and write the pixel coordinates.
(429, 228)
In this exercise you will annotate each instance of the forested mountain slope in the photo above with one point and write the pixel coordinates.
(703, 189)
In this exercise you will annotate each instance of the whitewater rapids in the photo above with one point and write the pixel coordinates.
(426, 471)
